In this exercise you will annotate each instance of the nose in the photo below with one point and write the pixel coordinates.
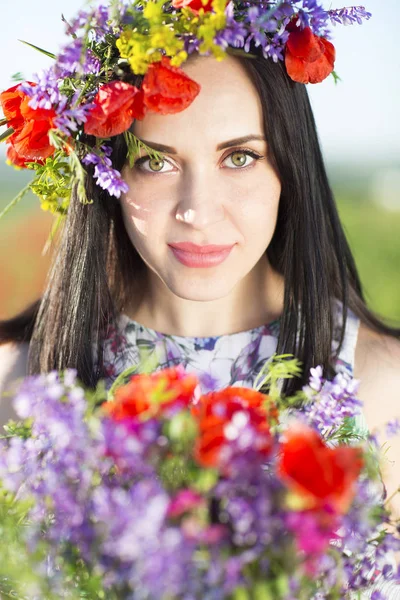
(200, 204)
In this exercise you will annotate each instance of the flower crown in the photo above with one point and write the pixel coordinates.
(86, 92)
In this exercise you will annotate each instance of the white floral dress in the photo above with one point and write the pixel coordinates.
(218, 361)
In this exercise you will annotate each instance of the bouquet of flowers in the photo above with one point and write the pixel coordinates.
(154, 491)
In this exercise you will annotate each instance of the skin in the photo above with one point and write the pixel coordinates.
(206, 196)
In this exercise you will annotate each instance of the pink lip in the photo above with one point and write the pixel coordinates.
(192, 255)
(189, 247)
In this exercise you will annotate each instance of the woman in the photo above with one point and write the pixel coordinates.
(240, 168)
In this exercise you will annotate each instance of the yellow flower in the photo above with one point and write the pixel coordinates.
(153, 11)
(135, 47)
(179, 59)
(163, 37)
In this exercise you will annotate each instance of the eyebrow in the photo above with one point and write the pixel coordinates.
(222, 146)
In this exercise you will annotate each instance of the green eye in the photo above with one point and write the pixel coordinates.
(155, 164)
(239, 158)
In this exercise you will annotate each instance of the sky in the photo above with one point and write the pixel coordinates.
(357, 119)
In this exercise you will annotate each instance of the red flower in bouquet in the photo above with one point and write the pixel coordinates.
(116, 105)
(30, 139)
(214, 412)
(168, 89)
(195, 5)
(308, 57)
(152, 395)
(321, 476)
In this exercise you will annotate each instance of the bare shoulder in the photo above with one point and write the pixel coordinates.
(377, 355)
(13, 362)
(377, 366)
(13, 366)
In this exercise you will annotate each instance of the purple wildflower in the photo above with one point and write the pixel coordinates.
(330, 401)
(234, 32)
(393, 428)
(348, 16)
(46, 93)
(377, 595)
(315, 16)
(99, 20)
(76, 59)
(316, 378)
(106, 177)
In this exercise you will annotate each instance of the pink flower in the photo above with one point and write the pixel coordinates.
(184, 501)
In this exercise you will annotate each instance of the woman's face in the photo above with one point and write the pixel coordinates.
(213, 187)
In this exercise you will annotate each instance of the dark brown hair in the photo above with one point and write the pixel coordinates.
(97, 268)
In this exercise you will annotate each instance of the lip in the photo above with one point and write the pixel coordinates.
(202, 257)
(194, 248)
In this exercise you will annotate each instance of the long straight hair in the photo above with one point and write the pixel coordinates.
(96, 268)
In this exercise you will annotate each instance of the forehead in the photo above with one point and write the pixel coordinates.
(227, 106)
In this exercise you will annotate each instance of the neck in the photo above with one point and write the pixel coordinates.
(255, 301)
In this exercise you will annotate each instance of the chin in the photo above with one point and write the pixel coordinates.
(201, 291)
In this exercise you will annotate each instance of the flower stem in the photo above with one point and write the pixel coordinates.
(15, 200)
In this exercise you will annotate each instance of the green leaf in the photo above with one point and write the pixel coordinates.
(282, 366)
(336, 77)
(122, 379)
(6, 133)
(46, 52)
(54, 228)
(241, 593)
(17, 76)
(134, 144)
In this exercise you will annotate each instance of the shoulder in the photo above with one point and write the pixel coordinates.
(13, 366)
(377, 359)
(377, 366)
(13, 359)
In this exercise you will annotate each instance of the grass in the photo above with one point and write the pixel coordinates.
(373, 235)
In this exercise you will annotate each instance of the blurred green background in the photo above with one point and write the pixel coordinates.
(368, 200)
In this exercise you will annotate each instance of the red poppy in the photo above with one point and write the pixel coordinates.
(30, 139)
(15, 159)
(116, 105)
(216, 409)
(168, 89)
(322, 476)
(308, 57)
(195, 5)
(152, 394)
(10, 101)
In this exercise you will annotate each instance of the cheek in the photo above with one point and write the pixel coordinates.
(143, 217)
(255, 208)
